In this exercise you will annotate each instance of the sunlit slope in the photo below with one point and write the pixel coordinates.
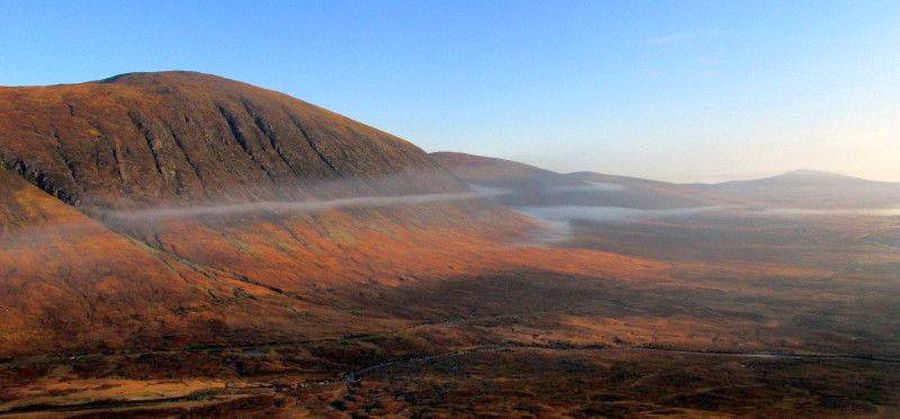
(67, 283)
(305, 254)
(92, 261)
(147, 138)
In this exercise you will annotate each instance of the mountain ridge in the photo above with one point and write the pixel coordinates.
(147, 138)
(801, 175)
(801, 188)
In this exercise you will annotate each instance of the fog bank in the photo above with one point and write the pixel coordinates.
(294, 207)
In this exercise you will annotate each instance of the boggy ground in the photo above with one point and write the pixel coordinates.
(707, 335)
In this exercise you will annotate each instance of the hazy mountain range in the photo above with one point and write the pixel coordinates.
(802, 189)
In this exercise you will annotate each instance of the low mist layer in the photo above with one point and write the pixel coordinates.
(295, 207)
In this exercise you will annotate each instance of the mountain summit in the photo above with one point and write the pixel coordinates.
(149, 138)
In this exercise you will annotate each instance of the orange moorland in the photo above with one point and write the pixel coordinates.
(182, 244)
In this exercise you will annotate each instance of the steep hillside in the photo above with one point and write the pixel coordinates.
(150, 138)
(167, 210)
(67, 283)
(85, 265)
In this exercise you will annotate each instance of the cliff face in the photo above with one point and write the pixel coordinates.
(149, 138)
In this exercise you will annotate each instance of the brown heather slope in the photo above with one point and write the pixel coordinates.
(432, 308)
(72, 283)
(80, 272)
(67, 283)
(148, 138)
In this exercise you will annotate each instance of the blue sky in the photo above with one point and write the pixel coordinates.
(684, 91)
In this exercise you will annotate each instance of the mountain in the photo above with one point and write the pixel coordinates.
(149, 138)
(532, 186)
(177, 244)
(812, 189)
(163, 210)
(88, 263)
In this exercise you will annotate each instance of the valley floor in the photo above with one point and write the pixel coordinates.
(791, 317)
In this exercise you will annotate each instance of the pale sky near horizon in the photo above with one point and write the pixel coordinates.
(682, 91)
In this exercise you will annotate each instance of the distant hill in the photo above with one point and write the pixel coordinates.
(540, 187)
(797, 189)
(501, 173)
(812, 189)
(650, 194)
